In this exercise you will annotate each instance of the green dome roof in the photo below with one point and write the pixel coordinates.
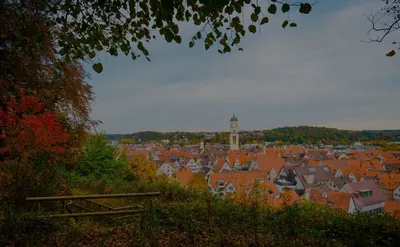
(234, 118)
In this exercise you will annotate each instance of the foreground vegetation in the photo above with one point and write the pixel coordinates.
(188, 217)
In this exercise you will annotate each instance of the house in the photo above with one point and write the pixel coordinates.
(392, 208)
(366, 195)
(336, 183)
(243, 162)
(223, 183)
(287, 197)
(206, 172)
(268, 163)
(166, 169)
(193, 165)
(388, 183)
(184, 176)
(246, 181)
(221, 166)
(396, 194)
(177, 165)
(303, 179)
(332, 199)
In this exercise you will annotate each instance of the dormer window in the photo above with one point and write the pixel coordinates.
(366, 193)
(220, 183)
(260, 180)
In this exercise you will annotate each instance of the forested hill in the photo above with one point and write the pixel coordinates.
(308, 134)
(289, 135)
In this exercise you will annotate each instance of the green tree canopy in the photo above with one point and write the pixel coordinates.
(82, 28)
(100, 159)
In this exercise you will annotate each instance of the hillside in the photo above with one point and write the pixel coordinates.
(289, 135)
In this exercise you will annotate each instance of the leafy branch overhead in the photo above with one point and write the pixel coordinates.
(385, 22)
(86, 27)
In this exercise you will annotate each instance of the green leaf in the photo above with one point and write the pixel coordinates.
(61, 52)
(178, 39)
(305, 8)
(252, 29)
(207, 46)
(175, 29)
(264, 20)
(391, 53)
(92, 54)
(272, 9)
(169, 36)
(293, 24)
(285, 7)
(141, 47)
(238, 28)
(198, 35)
(3, 35)
(285, 23)
(98, 67)
(254, 17)
(191, 44)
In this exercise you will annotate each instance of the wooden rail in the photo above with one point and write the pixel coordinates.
(85, 203)
(59, 198)
(96, 213)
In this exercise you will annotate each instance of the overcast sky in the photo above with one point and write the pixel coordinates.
(320, 74)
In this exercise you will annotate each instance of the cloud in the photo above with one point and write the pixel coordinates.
(317, 74)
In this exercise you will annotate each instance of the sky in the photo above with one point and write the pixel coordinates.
(320, 73)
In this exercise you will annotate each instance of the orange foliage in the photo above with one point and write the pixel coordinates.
(27, 129)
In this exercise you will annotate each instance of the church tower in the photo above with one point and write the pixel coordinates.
(234, 135)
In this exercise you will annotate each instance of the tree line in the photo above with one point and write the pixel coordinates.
(288, 135)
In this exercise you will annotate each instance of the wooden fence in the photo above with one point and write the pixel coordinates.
(83, 205)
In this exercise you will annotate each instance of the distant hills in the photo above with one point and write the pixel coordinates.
(292, 135)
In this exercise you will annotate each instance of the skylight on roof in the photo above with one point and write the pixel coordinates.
(326, 169)
(312, 169)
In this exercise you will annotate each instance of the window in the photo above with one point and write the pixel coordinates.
(329, 204)
(260, 180)
(366, 193)
(326, 169)
(220, 183)
(312, 169)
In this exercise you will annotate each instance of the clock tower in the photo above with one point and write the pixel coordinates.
(234, 135)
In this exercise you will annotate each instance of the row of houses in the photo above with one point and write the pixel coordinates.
(367, 181)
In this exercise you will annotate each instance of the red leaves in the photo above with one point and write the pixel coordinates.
(28, 129)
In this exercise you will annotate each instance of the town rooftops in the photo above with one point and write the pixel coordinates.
(364, 193)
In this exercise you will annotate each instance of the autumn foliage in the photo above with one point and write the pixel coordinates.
(32, 143)
(27, 129)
